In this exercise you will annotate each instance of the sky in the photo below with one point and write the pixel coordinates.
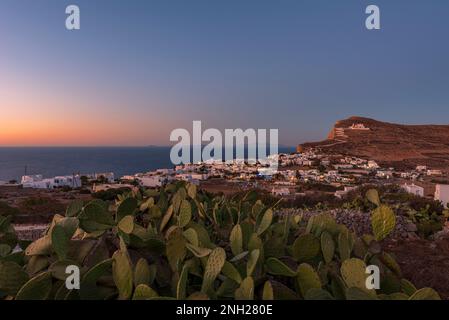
(139, 69)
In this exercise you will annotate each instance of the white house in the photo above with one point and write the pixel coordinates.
(434, 172)
(421, 168)
(358, 126)
(38, 182)
(341, 193)
(280, 191)
(373, 164)
(442, 193)
(151, 181)
(109, 176)
(414, 189)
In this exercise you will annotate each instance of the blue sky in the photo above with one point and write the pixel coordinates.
(138, 69)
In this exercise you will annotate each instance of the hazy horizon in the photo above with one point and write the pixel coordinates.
(138, 70)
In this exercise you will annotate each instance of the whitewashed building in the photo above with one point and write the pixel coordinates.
(108, 176)
(38, 182)
(151, 181)
(442, 193)
(414, 189)
(280, 191)
(434, 172)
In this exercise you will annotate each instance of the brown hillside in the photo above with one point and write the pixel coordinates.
(397, 145)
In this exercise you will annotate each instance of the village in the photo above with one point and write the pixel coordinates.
(298, 175)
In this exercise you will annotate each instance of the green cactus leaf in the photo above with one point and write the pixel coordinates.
(60, 241)
(373, 196)
(282, 292)
(252, 262)
(255, 242)
(425, 294)
(268, 293)
(58, 268)
(318, 294)
(142, 273)
(191, 236)
(277, 267)
(176, 201)
(408, 287)
(41, 246)
(144, 292)
(145, 205)
(122, 273)
(356, 293)
(97, 213)
(307, 278)
(185, 213)
(5, 250)
(265, 222)
(383, 222)
(198, 296)
(181, 288)
(12, 277)
(239, 256)
(214, 264)
(305, 248)
(198, 251)
(327, 246)
(203, 235)
(126, 224)
(61, 234)
(236, 240)
(246, 290)
(391, 263)
(97, 271)
(37, 288)
(191, 191)
(344, 248)
(89, 290)
(231, 272)
(126, 208)
(155, 212)
(36, 264)
(353, 272)
(176, 248)
(166, 218)
(398, 296)
(257, 208)
(74, 208)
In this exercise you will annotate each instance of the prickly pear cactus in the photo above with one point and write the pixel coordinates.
(214, 264)
(178, 242)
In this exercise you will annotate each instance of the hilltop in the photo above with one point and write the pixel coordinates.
(390, 144)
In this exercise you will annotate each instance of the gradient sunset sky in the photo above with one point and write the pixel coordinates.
(139, 69)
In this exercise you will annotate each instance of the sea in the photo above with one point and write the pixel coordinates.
(60, 161)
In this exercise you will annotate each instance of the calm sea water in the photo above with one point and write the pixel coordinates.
(65, 161)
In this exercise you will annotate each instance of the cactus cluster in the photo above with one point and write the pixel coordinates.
(179, 243)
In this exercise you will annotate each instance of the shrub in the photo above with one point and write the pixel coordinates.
(7, 210)
(110, 194)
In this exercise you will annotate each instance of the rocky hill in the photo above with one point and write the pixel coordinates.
(396, 145)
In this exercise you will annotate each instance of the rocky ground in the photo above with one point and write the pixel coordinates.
(424, 262)
(360, 223)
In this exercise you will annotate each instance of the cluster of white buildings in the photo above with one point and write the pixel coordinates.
(38, 182)
(343, 172)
